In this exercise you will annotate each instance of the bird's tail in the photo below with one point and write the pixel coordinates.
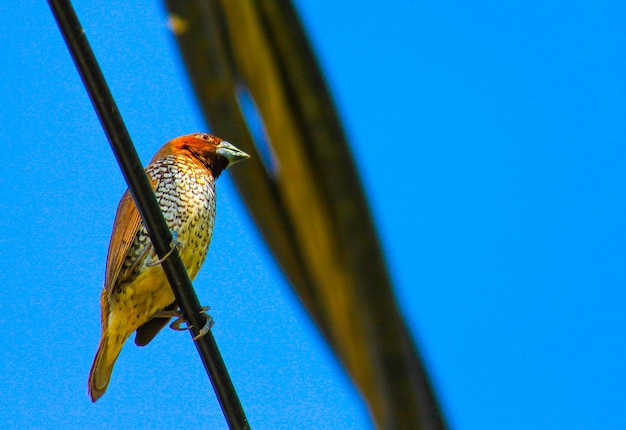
(102, 366)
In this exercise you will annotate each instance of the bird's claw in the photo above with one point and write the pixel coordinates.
(173, 245)
(175, 325)
(180, 319)
(207, 326)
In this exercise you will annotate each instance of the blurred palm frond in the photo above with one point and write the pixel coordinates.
(252, 57)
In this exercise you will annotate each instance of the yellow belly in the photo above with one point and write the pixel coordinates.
(135, 303)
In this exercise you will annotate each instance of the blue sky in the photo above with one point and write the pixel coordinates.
(491, 142)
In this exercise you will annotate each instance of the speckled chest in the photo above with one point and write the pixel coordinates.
(185, 192)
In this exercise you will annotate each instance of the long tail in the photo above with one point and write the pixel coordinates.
(102, 366)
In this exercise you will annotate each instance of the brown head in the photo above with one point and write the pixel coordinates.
(214, 153)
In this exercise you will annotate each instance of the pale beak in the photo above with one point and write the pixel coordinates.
(231, 153)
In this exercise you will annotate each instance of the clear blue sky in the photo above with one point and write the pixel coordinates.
(491, 140)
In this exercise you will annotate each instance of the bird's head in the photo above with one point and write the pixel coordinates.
(214, 153)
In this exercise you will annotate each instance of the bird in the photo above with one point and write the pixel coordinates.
(136, 293)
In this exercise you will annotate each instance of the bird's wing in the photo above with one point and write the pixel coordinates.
(125, 228)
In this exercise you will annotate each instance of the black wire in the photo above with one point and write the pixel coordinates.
(148, 207)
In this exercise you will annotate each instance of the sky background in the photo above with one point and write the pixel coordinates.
(491, 140)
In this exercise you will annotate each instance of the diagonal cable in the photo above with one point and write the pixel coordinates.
(148, 207)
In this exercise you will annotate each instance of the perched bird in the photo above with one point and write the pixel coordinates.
(182, 174)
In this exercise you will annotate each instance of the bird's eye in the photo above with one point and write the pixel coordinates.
(203, 136)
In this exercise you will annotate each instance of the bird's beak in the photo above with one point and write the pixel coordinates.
(231, 152)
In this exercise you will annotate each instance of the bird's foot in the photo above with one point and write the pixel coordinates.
(173, 245)
(180, 319)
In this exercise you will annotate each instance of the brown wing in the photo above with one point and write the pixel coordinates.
(125, 228)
